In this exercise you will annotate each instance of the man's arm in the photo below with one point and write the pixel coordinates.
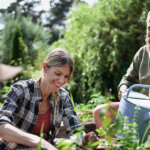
(132, 75)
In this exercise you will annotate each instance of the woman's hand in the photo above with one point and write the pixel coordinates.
(90, 137)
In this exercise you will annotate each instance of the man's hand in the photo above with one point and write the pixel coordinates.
(122, 89)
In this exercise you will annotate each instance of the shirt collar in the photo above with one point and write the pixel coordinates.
(38, 93)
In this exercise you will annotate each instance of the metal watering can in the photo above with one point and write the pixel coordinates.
(127, 107)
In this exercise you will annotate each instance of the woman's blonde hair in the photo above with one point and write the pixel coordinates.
(58, 58)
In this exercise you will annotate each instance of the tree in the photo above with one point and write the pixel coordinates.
(57, 17)
(16, 52)
(34, 36)
(54, 19)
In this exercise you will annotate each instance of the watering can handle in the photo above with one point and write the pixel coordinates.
(136, 85)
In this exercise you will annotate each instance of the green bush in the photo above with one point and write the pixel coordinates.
(102, 40)
(33, 36)
(21, 42)
(3, 93)
(16, 51)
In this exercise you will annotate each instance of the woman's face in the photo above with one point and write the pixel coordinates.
(56, 77)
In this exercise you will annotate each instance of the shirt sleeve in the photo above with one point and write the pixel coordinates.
(132, 75)
(70, 118)
(11, 104)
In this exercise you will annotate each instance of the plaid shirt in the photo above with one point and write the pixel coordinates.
(21, 108)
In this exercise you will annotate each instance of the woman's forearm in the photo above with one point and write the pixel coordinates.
(12, 134)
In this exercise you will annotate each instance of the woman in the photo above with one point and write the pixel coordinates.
(31, 103)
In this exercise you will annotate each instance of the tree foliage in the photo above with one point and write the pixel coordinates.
(56, 17)
(102, 40)
(34, 36)
(53, 19)
(15, 51)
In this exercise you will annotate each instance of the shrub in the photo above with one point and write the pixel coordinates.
(102, 40)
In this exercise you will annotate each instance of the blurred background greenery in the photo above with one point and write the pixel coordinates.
(102, 39)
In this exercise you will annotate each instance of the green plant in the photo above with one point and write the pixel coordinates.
(126, 135)
(85, 111)
(4, 91)
(1, 104)
(97, 98)
(75, 142)
(41, 135)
